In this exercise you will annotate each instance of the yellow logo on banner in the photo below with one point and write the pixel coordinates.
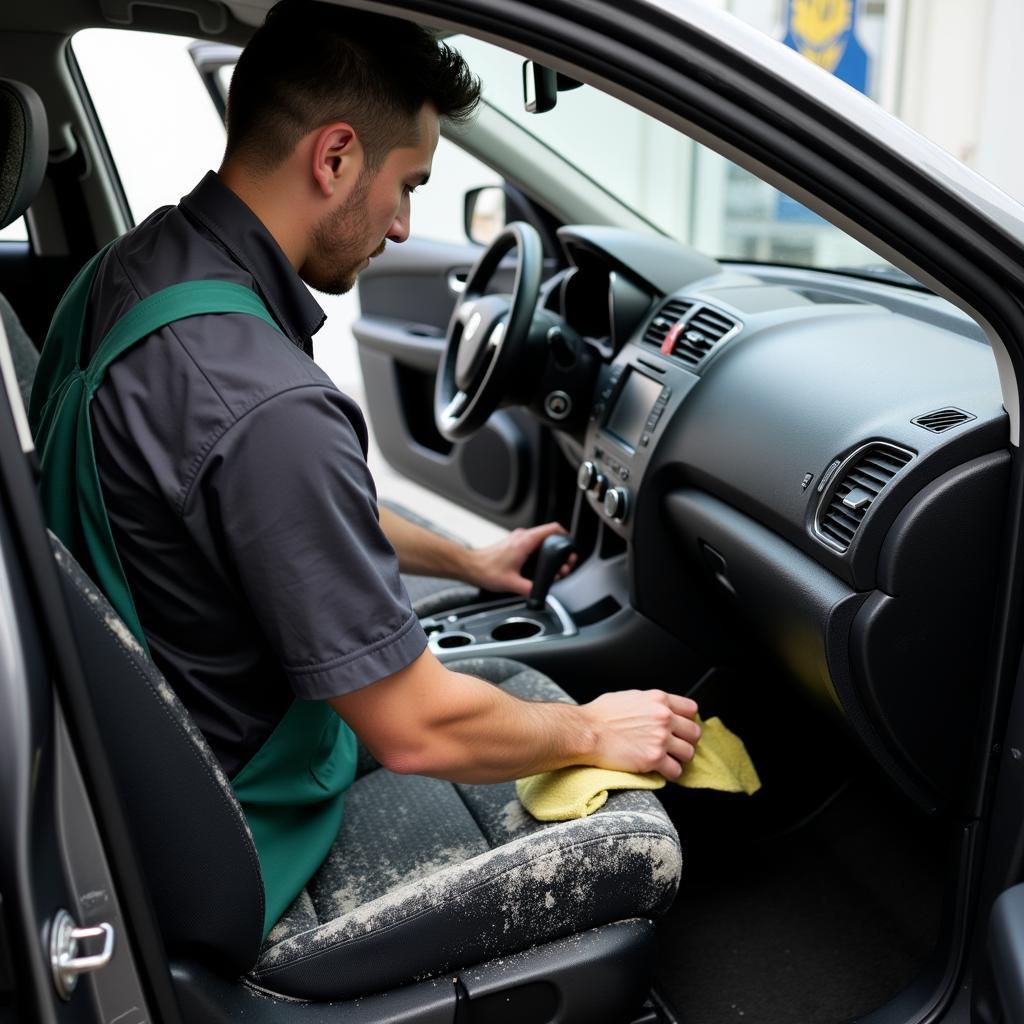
(821, 28)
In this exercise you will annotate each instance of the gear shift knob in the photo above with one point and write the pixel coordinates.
(550, 558)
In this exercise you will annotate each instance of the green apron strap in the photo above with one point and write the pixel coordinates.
(61, 353)
(70, 488)
(179, 301)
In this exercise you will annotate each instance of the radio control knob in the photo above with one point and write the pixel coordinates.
(586, 475)
(600, 486)
(616, 503)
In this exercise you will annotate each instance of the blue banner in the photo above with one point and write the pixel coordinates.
(824, 31)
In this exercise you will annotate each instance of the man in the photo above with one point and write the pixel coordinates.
(233, 472)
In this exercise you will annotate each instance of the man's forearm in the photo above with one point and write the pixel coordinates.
(456, 727)
(424, 552)
(486, 735)
(428, 720)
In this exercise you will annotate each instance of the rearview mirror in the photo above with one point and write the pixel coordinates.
(484, 213)
(541, 87)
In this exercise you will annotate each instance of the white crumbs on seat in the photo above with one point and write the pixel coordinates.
(123, 633)
(514, 816)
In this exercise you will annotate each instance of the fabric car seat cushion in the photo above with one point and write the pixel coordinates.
(427, 875)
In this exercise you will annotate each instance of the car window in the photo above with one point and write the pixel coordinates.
(681, 187)
(16, 232)
(163, 131)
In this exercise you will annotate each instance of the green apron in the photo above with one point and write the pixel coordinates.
(292, 789)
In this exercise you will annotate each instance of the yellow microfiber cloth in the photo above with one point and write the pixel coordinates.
(721, 762)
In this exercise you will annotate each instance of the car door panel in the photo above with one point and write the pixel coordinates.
(406, 299)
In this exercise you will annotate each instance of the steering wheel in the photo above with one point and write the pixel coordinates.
(487, 335)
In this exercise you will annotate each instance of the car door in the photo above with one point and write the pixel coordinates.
(76, 939)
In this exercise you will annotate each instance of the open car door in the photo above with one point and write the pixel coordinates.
(77, 939)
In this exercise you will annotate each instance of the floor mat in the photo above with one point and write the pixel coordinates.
(815, 926)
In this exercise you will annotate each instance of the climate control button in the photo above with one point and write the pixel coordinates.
(616, 503)
(586, 475)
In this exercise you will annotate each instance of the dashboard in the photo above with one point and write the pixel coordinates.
(817, 461)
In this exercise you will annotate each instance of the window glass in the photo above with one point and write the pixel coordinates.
(684, 189)
(16, 232)
(160, 124)
(164, 132)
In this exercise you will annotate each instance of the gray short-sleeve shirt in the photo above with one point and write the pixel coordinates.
(235, 478)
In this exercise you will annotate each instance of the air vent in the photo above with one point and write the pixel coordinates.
(943, 419)
(665, 319)
(689, 337)
(861, 480)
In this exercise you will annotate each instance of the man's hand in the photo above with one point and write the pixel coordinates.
(499, 567)
(643, 731)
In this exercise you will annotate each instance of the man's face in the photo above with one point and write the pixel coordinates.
(377, 209)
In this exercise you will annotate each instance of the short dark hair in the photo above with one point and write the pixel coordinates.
(313, 63)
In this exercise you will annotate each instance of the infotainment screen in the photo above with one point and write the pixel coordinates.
(627, 418)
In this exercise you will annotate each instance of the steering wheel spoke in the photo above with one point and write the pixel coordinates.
(455, 407)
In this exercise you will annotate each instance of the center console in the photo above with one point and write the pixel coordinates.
(636, 397)
(486, 627)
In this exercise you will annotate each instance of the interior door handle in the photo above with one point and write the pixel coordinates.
(457, 281)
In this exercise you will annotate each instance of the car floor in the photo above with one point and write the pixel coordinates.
(812, 902)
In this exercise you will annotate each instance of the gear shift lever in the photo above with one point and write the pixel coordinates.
(550, 558)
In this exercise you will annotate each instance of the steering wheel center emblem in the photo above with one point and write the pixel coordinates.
(473, 326)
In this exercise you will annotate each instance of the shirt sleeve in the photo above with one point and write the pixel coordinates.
(287, 496)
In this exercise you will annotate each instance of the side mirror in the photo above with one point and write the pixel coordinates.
(484, 213)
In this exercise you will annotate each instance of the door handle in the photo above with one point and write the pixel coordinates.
(457, 281)
(65, 936)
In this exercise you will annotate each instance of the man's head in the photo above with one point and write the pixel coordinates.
(346, 104)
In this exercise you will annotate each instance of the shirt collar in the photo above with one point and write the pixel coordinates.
(252, 246)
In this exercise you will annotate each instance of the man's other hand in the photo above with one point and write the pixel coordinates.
(643, 731)
(499, 567)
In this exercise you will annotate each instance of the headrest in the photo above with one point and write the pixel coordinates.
(23, 148)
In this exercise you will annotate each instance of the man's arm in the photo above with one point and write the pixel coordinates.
(427, 720)
(496, 567)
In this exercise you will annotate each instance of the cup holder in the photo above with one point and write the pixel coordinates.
(449, 640)
(516, 629)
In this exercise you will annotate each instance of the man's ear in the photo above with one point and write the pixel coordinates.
(337, 157)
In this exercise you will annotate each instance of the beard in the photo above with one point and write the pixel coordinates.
(338, 247)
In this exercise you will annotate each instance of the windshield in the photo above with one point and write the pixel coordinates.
(682, 188)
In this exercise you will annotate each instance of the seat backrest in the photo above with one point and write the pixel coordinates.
(23, 148)
(192, 838)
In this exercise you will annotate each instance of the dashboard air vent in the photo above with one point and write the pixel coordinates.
(694, 338)
(943, 419)
(665, 319)
(861, 480)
